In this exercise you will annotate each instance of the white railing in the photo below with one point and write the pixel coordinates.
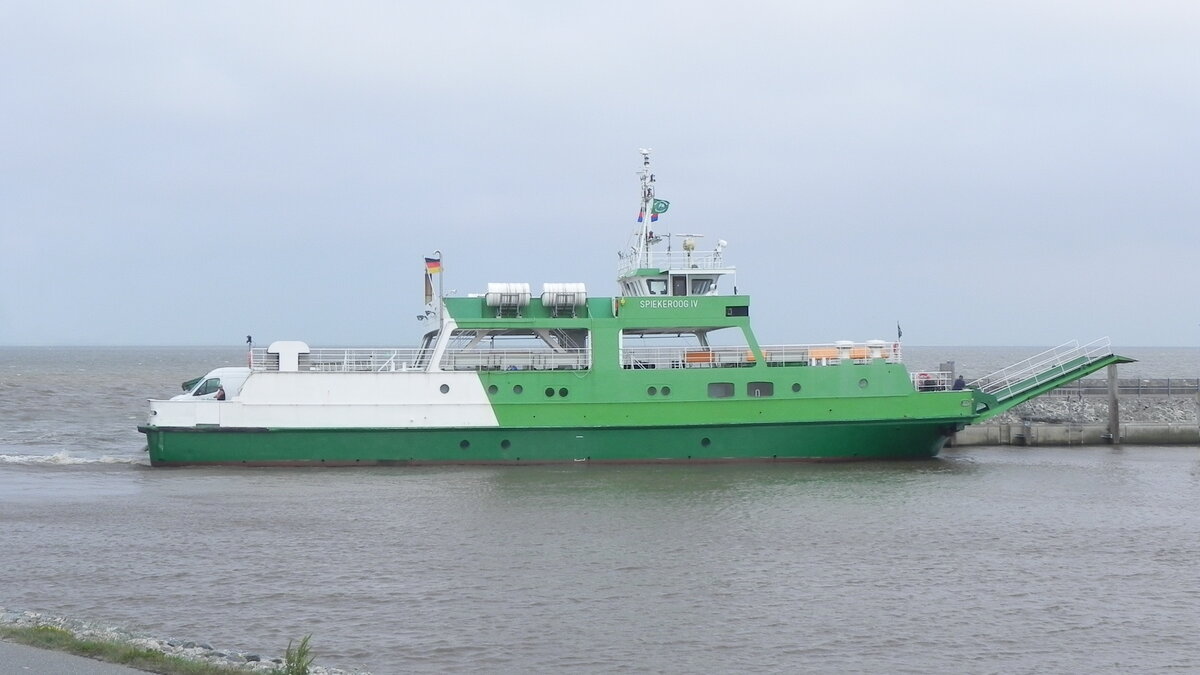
(932, 380)
(516, 359)
(1041, 367)
(646, 358)
(704, 260)
(348, 360)
(742, 356)
(831, 354)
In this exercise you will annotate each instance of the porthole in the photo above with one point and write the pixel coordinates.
(445, 389)
(796, 387)
(862, 384)
(652, 390)
(562, 392)
(549, 391)
(464, 444)
(492, 389)
(505, 444)
(518, 389)
(705, 441)
(665, 391)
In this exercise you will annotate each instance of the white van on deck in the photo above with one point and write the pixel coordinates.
(231, 379)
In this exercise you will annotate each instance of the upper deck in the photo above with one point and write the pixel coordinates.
(672, 261)
(413, 359)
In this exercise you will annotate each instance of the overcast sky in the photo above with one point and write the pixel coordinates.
(1009, 173)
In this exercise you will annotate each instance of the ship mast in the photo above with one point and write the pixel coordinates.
(642, 253)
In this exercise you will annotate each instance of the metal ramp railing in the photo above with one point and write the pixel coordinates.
(1042, 368)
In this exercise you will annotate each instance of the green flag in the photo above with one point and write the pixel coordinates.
(660, 206)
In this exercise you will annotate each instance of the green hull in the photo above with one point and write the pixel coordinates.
(715, 443)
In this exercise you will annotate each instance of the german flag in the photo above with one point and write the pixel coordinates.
(433, 266)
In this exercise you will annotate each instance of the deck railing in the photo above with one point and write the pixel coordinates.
(648, 358)
(389, 359)
(934, 380)
(831, 354)
(703, 260)
(743, 356)
(348, 360)
(1169, 386)
(516, 359)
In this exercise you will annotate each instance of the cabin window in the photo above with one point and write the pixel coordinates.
(720, 389)
(657, 286)
(702, 286)
(760, 389)
(210, 386)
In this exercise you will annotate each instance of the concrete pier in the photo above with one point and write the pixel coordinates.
(1047, 433)
(1098, 411)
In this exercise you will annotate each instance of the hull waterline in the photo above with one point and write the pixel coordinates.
(717, 443)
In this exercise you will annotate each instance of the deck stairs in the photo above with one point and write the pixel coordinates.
(1007, 388)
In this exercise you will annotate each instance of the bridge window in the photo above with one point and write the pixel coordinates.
(657, 286)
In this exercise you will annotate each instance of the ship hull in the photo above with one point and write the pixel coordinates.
(856, 441)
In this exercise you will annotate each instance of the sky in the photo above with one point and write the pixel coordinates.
(984, 173)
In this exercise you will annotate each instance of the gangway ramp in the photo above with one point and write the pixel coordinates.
(1007, 388)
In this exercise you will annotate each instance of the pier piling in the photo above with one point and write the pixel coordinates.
(1114, 410)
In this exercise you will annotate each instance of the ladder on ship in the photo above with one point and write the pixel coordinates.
(1009, 387)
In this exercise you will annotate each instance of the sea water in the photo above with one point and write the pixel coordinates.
(983, 560)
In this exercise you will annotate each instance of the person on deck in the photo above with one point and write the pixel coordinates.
(960, 383)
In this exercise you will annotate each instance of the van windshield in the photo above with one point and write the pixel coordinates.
(210, 386)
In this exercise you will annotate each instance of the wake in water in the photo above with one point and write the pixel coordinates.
(64, 458)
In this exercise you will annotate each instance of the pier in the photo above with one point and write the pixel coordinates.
(1097, 411)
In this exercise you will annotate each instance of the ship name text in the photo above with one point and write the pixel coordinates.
(669, 304)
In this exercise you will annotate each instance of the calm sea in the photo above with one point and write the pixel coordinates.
(984, 560)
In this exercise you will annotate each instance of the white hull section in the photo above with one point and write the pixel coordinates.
(299, 400)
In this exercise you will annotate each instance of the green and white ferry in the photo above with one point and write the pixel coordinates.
(667, 371)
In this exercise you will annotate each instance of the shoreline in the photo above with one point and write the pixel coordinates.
(232, 660)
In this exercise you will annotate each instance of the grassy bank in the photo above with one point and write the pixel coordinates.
(49, 637)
